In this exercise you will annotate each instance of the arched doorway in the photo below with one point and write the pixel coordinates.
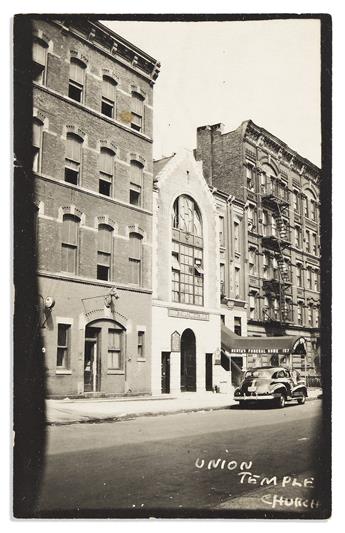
(188, 361)
(104, 354)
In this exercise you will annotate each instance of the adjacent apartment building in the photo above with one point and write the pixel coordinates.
(92, 166)
(275, 262)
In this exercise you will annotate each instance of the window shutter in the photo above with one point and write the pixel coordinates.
(137, 104)
(108, 88)
(106, 162)
(104, 238)
(73, 148)
(136, 173)
(70, 230)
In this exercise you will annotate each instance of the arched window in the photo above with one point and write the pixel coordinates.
(73, 158)
(108, 97)
(37, 127)
(104, 252)
(137, 111)
(39, 57)
(106, 172)
(70, 241)
(136, 183)
(187, 252)
(135, 258)
(76, 80)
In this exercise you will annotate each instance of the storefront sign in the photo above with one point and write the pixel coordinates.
(192, 315)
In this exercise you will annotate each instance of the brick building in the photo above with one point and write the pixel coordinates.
(92, 165)
(278, 268)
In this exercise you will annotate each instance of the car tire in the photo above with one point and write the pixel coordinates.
(241, 404)
(280, 401)
(301, 400)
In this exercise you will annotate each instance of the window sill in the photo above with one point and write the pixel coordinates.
(141, 359)
(115, 372)
(63, 372)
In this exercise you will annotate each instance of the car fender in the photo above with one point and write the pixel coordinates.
(298, 389)
(279, 387)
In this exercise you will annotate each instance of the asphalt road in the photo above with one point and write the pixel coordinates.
(161, 465)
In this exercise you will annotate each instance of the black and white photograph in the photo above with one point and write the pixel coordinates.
(172, 265)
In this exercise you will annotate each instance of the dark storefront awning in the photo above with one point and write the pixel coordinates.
(233, 343)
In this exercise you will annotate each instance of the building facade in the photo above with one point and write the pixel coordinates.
(278, 268)
(186, 313)
(92, 166)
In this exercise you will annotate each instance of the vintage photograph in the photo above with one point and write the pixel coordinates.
(172, 252)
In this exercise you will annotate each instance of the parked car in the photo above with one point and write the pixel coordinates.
(271, 383)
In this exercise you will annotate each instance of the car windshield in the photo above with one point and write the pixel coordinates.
(258, 373)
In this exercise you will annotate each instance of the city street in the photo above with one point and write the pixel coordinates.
(163, 463)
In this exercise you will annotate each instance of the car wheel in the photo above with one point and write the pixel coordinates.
(241, 404)
(301, 400)
(280, 402)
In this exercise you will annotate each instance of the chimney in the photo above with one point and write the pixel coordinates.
(205, 138)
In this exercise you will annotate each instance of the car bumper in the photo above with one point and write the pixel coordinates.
(256, 397)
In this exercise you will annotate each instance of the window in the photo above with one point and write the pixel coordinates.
(251, 218)
(108, 97)
(264, 223)
(252, 306)
(265, 264)
(70, 237)
(106, 172)
(187, 267)
(316, 317)
(36, 144)
(221, 231)
(307, 241)
(316, 281)
(252, 261)
(135, 258)
(237, 282)
(63, 346)
(76, 80)
(263, 183)
(137, 112)
(237, 237)
(312, 210)
(275, 309)
(136, 182)
(250, 175)
(39, 57)
(299, 275)
(300, 313)
(115, 349)
(104, 252)
(222, 278)
(314, 243)
(273, 226)
(141, 345)
(237, 325)
(275, 268)
(298, 237)
(296, 201)
(305, 207)
(73, 159)
(309, 278)
(310, 315)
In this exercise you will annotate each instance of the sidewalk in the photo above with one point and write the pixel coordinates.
(67, 411)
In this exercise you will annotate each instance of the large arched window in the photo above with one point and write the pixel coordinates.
(187, 252)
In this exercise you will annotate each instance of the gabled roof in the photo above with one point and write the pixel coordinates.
(159, 164)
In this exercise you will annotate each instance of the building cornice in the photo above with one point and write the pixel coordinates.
(113, 45)
(284, 154)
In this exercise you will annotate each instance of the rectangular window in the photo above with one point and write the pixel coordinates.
(115, 359)
(72, 159)
(141, 345)
(298, 237)
(134, 271)
(135, 194)
(310, 315)
(63, 346)
(252, 262)
(296, 201)
(237, 282)
(221, 231)
(39, 56)
(252, 307)
(237, 325)
(316, 281)
(236, 237)
(299, 275)
(137, 112)
(264, 223)
(307, 239)
(103, 266)
(36, 144)
(309, 282)
(300, 314)
(250, 175)
(314, 245)
(312, 210)
(305, 207)
(188, 282)
(76, 80)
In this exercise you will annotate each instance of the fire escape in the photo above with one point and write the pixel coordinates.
(277, 240)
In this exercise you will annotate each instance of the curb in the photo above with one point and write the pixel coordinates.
(131, 416)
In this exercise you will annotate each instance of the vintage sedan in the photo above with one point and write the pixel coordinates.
(276, 384)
